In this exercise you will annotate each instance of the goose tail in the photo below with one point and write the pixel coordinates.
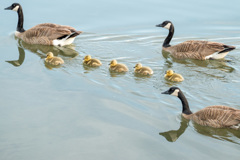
(227, 48)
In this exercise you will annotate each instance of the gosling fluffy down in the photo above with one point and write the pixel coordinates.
(88, 60)
(55, 61)
(174, 77)
(117, 67)
(139, 69)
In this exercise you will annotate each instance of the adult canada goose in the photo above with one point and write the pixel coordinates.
(44, 34)
(213, 116)
(55, 61)
(117, 67)
(142, 70)
(88, 60)
(171, 76)
(192, 49)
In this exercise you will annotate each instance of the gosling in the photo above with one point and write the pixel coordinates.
(55, 61)
(142, 70)
(117, 67)
(174, 77)
(88, 60)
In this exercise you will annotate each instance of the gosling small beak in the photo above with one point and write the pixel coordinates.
(109, 63)
(159, 25)
(165, 72)
(134, 67)
(8, 8)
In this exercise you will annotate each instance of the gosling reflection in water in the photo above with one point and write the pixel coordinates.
(229, 135)
(20, 60)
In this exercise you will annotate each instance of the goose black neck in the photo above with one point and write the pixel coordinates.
(169, 37)
(185, 106)
(20, 20)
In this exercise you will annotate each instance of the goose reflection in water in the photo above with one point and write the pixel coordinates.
(229, 135)
(220, 64)
(20, 60)
(41, 51)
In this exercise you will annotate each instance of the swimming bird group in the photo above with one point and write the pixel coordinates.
(60, 35)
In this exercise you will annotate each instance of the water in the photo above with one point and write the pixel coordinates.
(76, 112)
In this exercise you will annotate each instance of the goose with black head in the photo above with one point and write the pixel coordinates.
(44, 34)
(193, 49)
(217, 116)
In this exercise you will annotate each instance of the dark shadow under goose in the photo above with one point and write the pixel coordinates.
(217, 116)
(193, 49)
(44, 34)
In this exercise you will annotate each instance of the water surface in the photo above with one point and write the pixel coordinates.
(76, 112)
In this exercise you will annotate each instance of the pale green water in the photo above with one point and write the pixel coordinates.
(74, 112)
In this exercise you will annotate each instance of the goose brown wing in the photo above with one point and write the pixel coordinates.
(196, 49)
(217, 116)
(52, 25)
(52, 31)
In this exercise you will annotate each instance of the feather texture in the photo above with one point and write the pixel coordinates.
(45, 33)
(192, 49)
(216, 116)
(195, 49)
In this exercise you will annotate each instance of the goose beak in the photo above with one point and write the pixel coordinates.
(159, 25)
(166, 92)
(8, 8)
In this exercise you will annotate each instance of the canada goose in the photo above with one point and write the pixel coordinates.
(213, 116)
(88, 60)
(117, 67)
(53, 60)
(142, 70)
(44, 34)
(171, 76)
(192, 49)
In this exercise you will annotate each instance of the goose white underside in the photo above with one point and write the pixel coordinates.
(235, 126)
(217, 55)
(63, 42)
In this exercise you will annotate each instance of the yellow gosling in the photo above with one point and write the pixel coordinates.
(88, 60)
(50, 59)
(142, 70)
(116, 67)
(174, 77)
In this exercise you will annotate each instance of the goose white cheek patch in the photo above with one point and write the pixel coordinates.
(168, 26)
(15, 8)
(175, 93)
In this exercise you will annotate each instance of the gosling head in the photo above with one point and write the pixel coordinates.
(165, 24)
(138, 66)
(14, 7)
(87, 58)
(113, 63)
(172, 91)
(49, 55)
(169, 72)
